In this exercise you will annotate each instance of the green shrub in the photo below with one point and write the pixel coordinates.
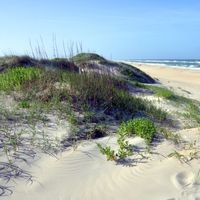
(142, 127)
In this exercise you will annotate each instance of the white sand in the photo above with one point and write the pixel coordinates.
(85, 173)
(185, 81)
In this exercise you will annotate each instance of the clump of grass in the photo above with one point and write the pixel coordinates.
(193, 111)
(160, 91)
(14, 78)
(142, 127)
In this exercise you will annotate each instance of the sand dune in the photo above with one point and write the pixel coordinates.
(85, 174)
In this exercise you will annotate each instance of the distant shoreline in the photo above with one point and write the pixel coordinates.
(174, 77)
(179, 64)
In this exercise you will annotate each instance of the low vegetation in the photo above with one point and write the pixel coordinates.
(191, 107)
(14, 78)
(142, 127)
(193, 111)
(159, 91)
(84, 91)
(124, 149)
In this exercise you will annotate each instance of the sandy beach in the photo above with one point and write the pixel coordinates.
(83, 173)
(184, 81)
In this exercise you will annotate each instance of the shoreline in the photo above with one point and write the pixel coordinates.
(170, 66)
(184, 81)
(155, 65)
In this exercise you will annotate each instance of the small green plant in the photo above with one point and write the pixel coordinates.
(110, 154)
(142, 127)
(125, 149)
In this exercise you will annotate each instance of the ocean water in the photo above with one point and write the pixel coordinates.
(194, 64)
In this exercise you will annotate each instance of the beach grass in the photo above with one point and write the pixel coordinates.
(82, 90)
(14, 78)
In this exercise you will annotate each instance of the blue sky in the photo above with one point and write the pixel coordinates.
(116, 29)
